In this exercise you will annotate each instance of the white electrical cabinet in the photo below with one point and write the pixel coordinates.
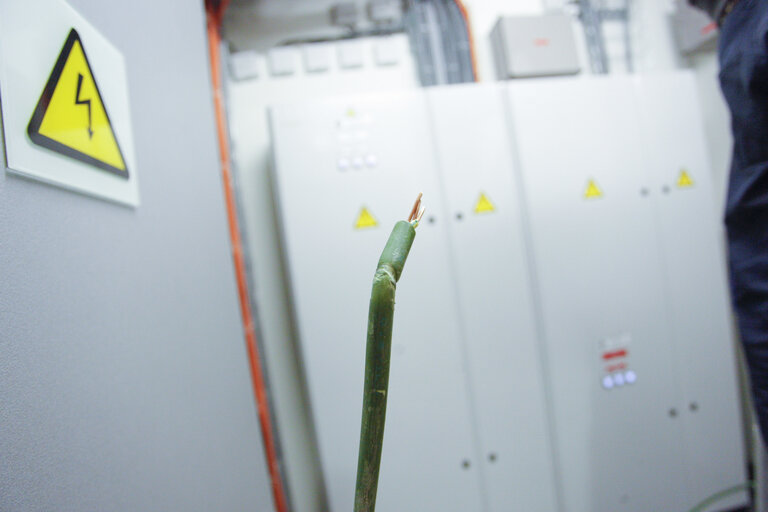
(492, 284)
(561, 339)
(696, 289)
(342, 164)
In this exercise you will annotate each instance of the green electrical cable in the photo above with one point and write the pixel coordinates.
(721, 495)
(380, 317)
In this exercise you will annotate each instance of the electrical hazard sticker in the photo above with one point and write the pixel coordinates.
(684, 180)
(484, 205)
(593, 191)
(71, 118)
(365, 219)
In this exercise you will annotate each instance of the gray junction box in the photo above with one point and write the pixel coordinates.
(531, 46)
(694, 30)
(561, 340)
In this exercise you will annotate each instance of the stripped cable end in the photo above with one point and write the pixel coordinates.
(417, 212)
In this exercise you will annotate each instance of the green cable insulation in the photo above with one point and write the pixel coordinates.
(721, 495)
(380, 316)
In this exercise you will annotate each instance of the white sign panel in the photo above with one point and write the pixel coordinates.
(64, 98)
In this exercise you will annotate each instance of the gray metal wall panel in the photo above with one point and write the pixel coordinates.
(124, 382)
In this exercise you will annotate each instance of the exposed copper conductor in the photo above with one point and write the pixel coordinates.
(417, 212)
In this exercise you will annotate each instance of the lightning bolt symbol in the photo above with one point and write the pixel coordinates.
(79, 101)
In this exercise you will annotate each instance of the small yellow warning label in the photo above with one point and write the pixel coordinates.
(365, 219)
(70, 117)
(484, 205)
(593, 191)
(684, 181)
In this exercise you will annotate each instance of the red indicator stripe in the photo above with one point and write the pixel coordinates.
(616, 367)
(613, 355)
(709, 29)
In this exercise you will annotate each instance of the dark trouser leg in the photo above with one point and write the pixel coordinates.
(744, 78)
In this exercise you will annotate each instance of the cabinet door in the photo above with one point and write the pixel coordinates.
(695, 284)
(598, 276)
(497, 312)
(332, 159)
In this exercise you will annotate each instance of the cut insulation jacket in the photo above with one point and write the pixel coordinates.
(378, 348)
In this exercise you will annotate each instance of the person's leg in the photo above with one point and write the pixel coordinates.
(744, 80)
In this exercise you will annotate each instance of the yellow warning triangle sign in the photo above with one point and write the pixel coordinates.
(684, 180)
(70, 117)
(365, 219)
(593, 191)
(484, 205)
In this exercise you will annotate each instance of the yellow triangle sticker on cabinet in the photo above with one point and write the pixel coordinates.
(71, 118)
(684, 181)
(593, 191)
(484, 205)
(365, 219)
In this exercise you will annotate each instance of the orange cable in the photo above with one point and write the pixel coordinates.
(214, 14)
(472, 48)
